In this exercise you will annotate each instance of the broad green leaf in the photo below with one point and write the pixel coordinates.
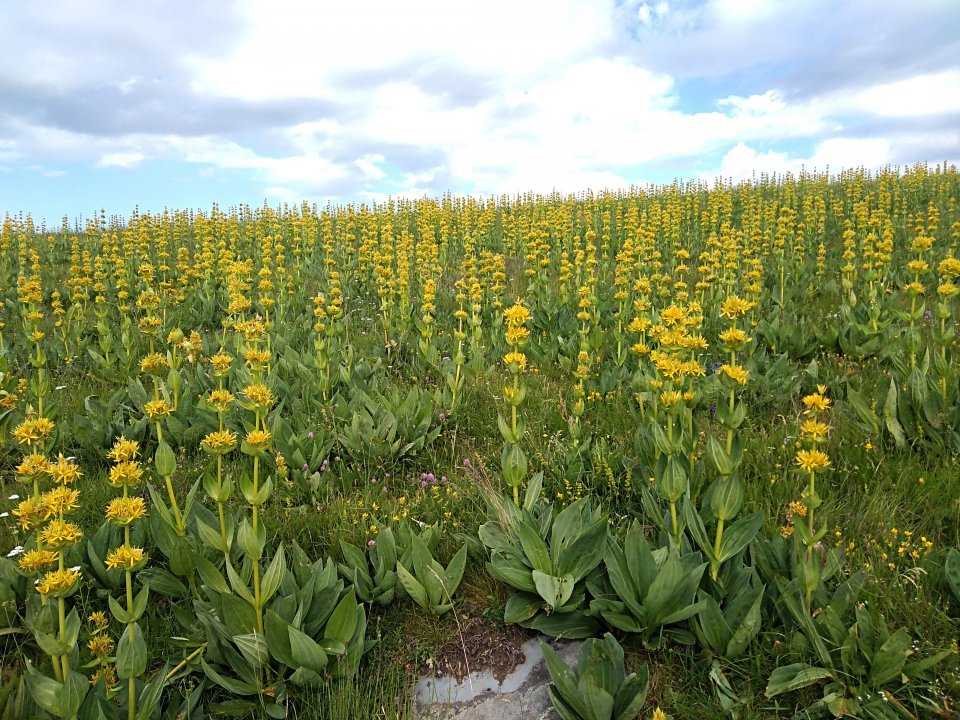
(563, 679)
(343, 621)
(632, 694)
(534, 548)
(793, 677)
(888, 661)
(306, 652)
(131, 653)
(272, 578)
(414, 589)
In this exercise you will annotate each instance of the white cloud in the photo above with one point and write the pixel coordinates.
(925, 94)
(743, 162)
(498, 97)
(124, 160)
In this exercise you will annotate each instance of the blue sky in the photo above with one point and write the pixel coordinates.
(176, 104)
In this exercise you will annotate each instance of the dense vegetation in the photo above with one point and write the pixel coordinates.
(268, 461)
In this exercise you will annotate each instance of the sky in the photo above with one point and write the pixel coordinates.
(183, 104)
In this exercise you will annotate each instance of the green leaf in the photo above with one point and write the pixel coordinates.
(890, 416)
(712, 625)
(414, 589)
(534, 548)
(210, 536)
(553, 589)
(793, 677)
(253, 647)
(131, 653)
(564, 681)
(632, 694)
(278, 638)
(270, 582)
(454, 572)
(889, 659)
(739, 534)
(150, 695)
(249, 542)
(239, 587)
(520, 607)
(747, 629)
(343, 621)
(164, 460)
(231, 685)
(211, 576)
(306, 652)
(45, 692)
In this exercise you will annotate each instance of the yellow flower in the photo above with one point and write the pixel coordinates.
(126, 473)
(814, 429)
(795, 509)
(59, 535)
(816, 403)
(64, 472)
(734, 307)
(29, 513)
(260, 395)
(60, 501)
(33, 465)
(98, 618)
(516, 315)
(57, 583)
(124, 510)
(100, 645)
(33, 561)
(221, 399)
(126, 558)
(515, 361)
(735, 372)
(33, 432)
(669, 398)
(153, 364)
(734, 338)
(947, 290)
(123, 450)
(949, 267)
(812, 460)
(157, 409)
(256, 359)
(221, 364)
(517, 334)
(219, 442)
(258, 439)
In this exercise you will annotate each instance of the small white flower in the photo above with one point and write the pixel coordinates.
(60, 387)
(13, 497)
(4, 514)
(75, 568)
(16, 551)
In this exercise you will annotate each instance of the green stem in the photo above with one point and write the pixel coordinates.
(715, 565)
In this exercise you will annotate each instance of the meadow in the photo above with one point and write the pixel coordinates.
(272, 462)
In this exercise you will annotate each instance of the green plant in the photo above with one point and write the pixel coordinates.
(600, 689)
(430, 585)
(654, 590)
(379, 586)
(550, 577)
(862, 661)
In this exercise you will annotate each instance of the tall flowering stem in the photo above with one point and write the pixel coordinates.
(123, 511)
(513, 461)
(810, 460)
